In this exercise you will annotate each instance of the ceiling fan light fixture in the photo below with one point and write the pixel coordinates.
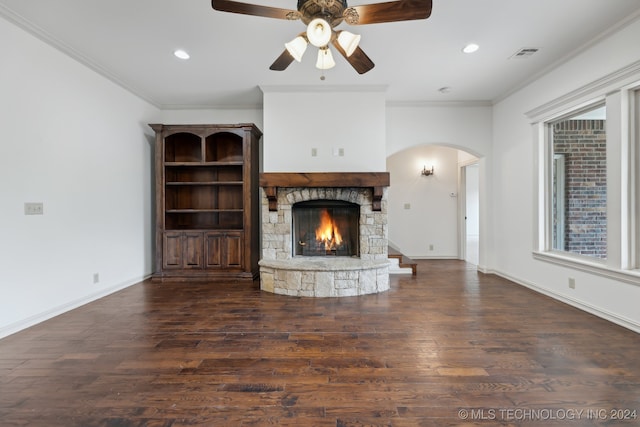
(325, 59)
(348, 41)
(319, 32)
(297, 47)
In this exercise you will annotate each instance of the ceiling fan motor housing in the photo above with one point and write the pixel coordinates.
(331, 10)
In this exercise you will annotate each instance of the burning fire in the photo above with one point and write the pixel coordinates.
(328, 232)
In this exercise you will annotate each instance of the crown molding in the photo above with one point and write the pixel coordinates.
(598, 88)
(64, 48)
(566, 58)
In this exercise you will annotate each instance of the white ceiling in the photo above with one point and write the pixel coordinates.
(131, 42)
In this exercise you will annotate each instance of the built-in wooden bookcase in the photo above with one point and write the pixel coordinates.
(207, 201)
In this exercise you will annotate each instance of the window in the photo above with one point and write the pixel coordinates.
(579, 183)
(587, 161)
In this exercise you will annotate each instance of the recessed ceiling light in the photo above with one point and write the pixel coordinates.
(179, 53)
(470, 48)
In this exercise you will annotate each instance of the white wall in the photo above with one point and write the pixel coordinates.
(423, 216)
(513, 203)
(464, 126)
(327, 119)
(213, 115)
(379, 137)
(78, 143)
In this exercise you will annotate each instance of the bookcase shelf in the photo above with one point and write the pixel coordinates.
(207, 203)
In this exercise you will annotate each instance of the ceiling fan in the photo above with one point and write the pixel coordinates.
(321, 17)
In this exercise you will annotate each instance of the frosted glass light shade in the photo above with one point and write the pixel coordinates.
(470, 48)
(319, 32)
(348, 41)
(182, 54)
(325, 59)
(297, 47)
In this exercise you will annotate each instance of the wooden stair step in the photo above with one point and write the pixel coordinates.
(404, 261)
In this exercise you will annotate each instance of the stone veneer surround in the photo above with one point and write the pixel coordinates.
(282, 273)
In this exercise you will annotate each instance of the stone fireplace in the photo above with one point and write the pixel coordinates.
(297, 262)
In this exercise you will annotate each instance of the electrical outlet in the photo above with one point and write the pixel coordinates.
(314, 152)
(407, 205)
(96, 277)
(430, 247)
(34, 208)
(572, 283)
(341, 152)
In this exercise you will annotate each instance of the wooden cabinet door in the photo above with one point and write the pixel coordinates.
(213, 250)
(233, 249)
(172, 250)
(182, 250)
(223, 250)
(192, 250)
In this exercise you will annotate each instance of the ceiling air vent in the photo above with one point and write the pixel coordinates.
(525, 52)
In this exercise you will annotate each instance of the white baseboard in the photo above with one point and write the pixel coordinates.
(483, 269)
(596, 311)
(433, 257)
(53, 312)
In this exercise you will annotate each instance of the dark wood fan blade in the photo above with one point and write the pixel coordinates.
(282, 62)
(254, 9)
(392, 11)
(358, 59)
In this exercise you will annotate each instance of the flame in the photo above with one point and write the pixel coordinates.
(328, 232)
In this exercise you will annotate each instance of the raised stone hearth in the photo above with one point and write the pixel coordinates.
(328, 276)
(324, 277)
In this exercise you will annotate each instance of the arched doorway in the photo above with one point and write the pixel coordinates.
(427, 211)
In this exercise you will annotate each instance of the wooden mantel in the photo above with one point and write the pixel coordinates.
(375, 180)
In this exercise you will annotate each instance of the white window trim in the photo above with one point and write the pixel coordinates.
(620, 90)
(634, 189)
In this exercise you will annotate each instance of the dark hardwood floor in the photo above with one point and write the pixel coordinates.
(449, 346)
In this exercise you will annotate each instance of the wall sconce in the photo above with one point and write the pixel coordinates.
(427, 172)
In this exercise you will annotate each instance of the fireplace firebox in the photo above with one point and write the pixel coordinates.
(326, 228)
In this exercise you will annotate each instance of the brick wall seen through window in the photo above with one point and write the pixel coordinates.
(581, 145)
